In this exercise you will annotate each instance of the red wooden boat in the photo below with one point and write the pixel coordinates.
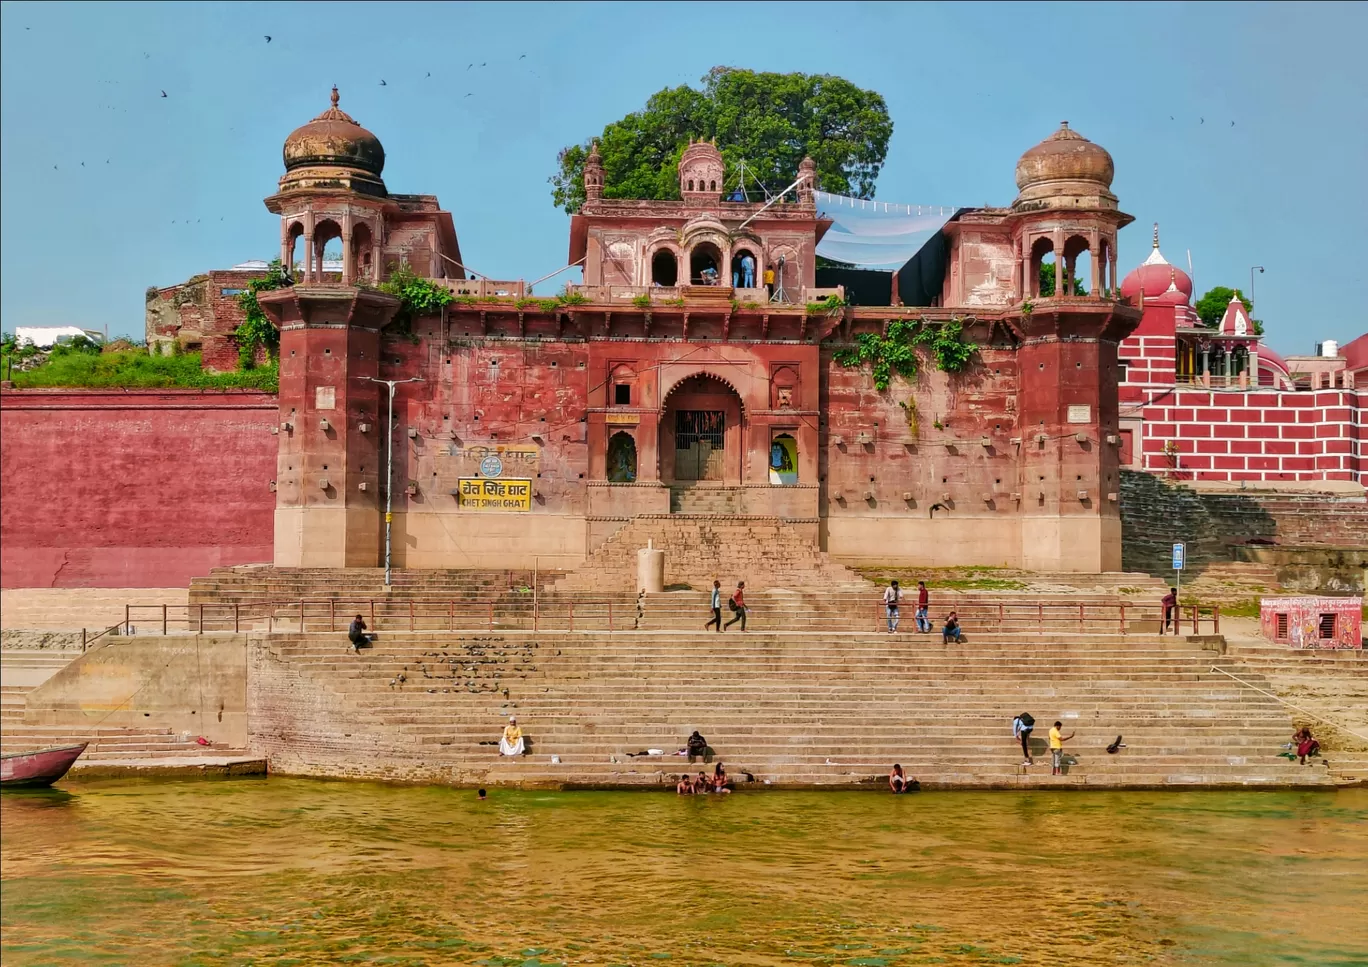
(42, 767)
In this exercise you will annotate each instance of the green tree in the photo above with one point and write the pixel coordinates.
(769, 121)
(1211, 308)
(1047, 281)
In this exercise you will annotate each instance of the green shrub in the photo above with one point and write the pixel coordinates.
(139, 369)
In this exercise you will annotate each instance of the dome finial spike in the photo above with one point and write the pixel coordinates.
(335, 96)
(1156, 234)
(1064, 125)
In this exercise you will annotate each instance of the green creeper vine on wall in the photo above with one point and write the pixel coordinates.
(895, 352)
(417, 296)
(255, 329)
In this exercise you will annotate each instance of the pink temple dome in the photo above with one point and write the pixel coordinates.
(1272, 366)
(1163, 284)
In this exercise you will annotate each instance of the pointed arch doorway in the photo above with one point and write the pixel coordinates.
(702, 430)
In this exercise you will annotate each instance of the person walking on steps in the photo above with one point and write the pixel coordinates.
(1170, 603)
(892, 596)
(1021, 729)
(716, 606)
(1057, 740)
(923, 609)
(737, 603)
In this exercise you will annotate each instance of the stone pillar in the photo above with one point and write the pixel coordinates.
(1206, 368)
(308, 258)
(329, 489)
(1099, 281)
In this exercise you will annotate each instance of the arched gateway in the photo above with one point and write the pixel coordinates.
(702, 431)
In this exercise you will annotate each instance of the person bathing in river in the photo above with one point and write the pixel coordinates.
(512, 742)
(721, 782)
(897, 780)
(684, 787)
(701, 783)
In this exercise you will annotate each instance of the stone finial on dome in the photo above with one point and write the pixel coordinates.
(593, 174)
(335, 96)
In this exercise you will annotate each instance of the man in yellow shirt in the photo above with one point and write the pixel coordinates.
(769, 282)
(1057, 741)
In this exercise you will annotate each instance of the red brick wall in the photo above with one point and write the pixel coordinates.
(137, 488)
(1268, 436)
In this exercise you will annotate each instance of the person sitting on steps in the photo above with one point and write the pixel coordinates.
(951, 629)
(698, 747)
(512, 742)
(1307, 745)
(356, 634)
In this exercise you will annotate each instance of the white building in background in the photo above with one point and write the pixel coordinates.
(45, 337)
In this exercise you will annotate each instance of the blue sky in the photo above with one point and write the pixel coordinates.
(173, 186)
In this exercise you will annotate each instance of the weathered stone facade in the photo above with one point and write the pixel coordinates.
(656, 377)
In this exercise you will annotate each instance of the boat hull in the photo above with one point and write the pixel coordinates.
(41, 767)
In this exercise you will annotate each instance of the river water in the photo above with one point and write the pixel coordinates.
(281, 871)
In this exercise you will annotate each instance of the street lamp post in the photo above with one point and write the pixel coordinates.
(1251, 279)
(389, 463)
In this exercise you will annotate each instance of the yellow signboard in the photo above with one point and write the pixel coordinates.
(622, 419)
(483, 494)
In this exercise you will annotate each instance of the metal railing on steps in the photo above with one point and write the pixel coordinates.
(588, 613)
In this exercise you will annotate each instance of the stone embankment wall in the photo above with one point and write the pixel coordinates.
(1155, 514)
(133, 488)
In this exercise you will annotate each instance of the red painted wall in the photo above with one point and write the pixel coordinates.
(133, 488)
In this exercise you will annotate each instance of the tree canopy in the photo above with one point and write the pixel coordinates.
(1047, 281)
(769, 121)
(1211, 307)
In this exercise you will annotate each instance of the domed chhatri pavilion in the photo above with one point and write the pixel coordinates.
(694, 375)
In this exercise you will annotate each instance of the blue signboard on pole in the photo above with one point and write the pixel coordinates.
(1179, 550)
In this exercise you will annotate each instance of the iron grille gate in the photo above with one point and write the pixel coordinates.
(699, 436)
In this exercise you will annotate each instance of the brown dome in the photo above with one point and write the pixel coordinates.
(1065, 156)
(334, 139)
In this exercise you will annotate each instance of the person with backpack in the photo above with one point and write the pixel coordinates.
(892, 595)
(923, 609)
(1021, 729)
(737, 603)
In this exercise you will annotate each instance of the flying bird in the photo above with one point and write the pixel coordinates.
(268, 37)
(382, 83)
(163, 93)
(429, 73)
(82, 164)
(471, 93)
(469, 66)
(1170, 117)
(486, 64)
(1232, 124)
(1203, 120)
(522, 56)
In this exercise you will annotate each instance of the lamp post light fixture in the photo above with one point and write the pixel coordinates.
(1251, 279)
(389, 463)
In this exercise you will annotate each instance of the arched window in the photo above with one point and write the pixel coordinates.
(622, 458)
(705, 264)
(665, 268)
(326, 232)
(745, 269)
(294, 262)
(362, 261)
(1042, 254)
(783, 461)
(1077, 267)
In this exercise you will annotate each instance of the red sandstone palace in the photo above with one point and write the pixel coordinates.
(540, 427)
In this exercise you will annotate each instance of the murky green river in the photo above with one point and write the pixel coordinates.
(295, 872)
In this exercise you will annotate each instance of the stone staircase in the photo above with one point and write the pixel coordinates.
(707, 500)
(71, 609)
(768, 551)
(23, 671)
(790, 709)
(1332, 685)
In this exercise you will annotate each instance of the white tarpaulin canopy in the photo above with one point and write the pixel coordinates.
(876, 234)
